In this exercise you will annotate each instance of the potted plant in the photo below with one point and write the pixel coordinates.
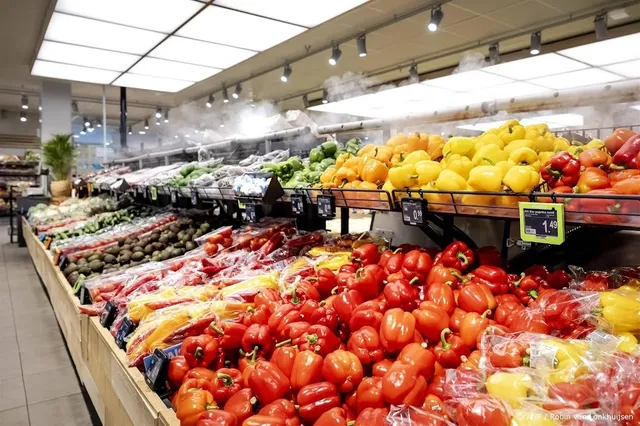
(59, 154)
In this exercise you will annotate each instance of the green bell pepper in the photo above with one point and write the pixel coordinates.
(316, 155)
(314, 177)
(327, 162)
(268, 167)
(296, 163)
(314, 167)
(329, 148)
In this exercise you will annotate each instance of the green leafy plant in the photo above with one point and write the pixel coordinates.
(59, 154)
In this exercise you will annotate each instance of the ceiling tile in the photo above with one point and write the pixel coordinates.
(175, 70)
(536, 66)
(485, 6)
(102, 35)
(200, 52)
(151, 83)
(569, 6)
(528, 13)
(629, 69)
(477, 29)
(86, 56)
(466, 81)
(573, 79)
(157, 15)
(308, 13)
(225, 26)
(607, 52)
(72, 72)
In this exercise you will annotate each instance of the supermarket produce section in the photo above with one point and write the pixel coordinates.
(204, 293)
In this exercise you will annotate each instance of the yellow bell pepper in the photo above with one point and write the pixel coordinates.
(544, 156)
(459, 164)
(489, 154)
(333, 261)
(476, 200)
(342, 158)
(415, 156)
(404, 148)
(509, 123)
(374, 171)
(399, 139)
(561, 144)
(345, 175)
(511, 133)
(388, 186)
(489, 139)
(569, 359)
(428, 171)
(417, 142)
(436, 144)
(529, 417)
(328, 175)
(519, 143)
(595, 143)
(450, 181)
(505, 166)
(620, 310)
(628, 342)
(382, 154)
(403, 176)
(398, 159)
(486, 178)
(525, 156)
(521, 178)
(513, 388)
(459, 145)
(354, 163)
(435, 197)
(543, 139)
(368, 149)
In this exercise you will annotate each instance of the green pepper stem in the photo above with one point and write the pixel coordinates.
(414, 280)
(227, 380)
(283, 343)
(199, 353)
(461, 256)
(217, 329)
(443, 338)
(526, 361)
(486, 313)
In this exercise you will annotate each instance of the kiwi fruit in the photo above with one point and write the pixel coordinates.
(73, 277)
(179, 244)
(155, 253)
(205, 227)
(69, 269)
(109, 258)
(155, 237)
(85, 270)
(198, 234)
(88, 255)
(137, 256)
(189, 246)
(181, 235)
(126, 247)
(124, 259)
(174, 228)
(172, 236)
(157, 246)
(148, 249)
(121, 241)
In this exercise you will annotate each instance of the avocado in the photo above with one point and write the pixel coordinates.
(128, 241)
(164, 256)
(69, 269)
(109, 258)
(85, 270)
(137, 256)
(164, 239)
(181, 235)
(72, 259)
(93, 257)
(81, 261)
(155, 253)
(205, 227)
(87, 255)
(121, 241)
(179, 244)
(174, 228)
(176, 252)
(198, 234)
(126, 247)
(189, 246)
(137, 249)
(155, 237)
(114, 251)
(173, 236)
(73, 277)
(124, 259)
(157, 246)
(148, 249)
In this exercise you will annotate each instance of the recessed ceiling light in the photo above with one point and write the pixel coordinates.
(72, 72)
(573, 79)
(85, 56)
(535, 66)
(174, 70)
(152, 83)
(611, 51)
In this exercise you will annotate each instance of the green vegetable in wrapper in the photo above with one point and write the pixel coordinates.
(316, 155)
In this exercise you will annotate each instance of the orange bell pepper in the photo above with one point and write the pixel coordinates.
(344, 175)
(628, 186)
(342, 158)
(374, 171)
(417, 142)
(397, 330)
(383, 154)
(619, 175)
(592, 178)
(594, 157)
(194, 402)
(436, 143)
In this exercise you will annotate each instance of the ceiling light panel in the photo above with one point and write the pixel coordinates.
(414, 92)
(86, 56)
(72, 72)
(629, 69)
(238, 29)
(101, 35)
(574, 79)
(502, 92)
(156, 15)
(536, 66)
(200, 52)
(174, 70)
(606, 52)
(308, 13)
(466, 81)
(151, 83)
(556, 121)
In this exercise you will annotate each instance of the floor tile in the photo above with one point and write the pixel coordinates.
(15, 417)
(51, 384)
(66, 411)
(55, 359)
(43, 343)
(10, 365)
(11, 393)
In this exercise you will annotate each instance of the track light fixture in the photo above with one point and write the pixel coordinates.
(335, 55)
(84, 130)
(157, 121)
(494, 53)
(362, 46)
(146, 124)
(158, 112)
(413, 72)
(166, 116)
(600, 25)
(325, 96)
(74, 107)
(87, 123)
(142, 132)
(286, 73)
(222, 124)
(99, 123)
(305, 101)
(436, 19)
(236, 93)
(23, 116)
(225, 95)
(209, 103)
(25, 102)
(536, 42)
(130, 130)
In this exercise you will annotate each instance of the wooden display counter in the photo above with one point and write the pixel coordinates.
(119, 393)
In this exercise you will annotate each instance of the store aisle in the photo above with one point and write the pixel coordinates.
(38, 384)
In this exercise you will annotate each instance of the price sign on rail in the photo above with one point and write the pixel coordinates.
(326, 206)
(542, 222)
(413, 211)
(251, 211)
(297, 204)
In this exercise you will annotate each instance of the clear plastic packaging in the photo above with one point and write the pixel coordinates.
(411, 416)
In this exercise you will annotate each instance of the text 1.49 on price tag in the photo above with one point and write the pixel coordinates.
(297, 204)
(414, 210)
(326, 206)
(542, 222)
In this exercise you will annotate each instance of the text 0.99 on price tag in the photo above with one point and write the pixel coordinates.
(297, 204)
(414, 211)
(326, 206)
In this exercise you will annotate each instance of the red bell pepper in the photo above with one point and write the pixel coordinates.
(430, 320)
(229, 333)
(323, 316)
(345, 303)
(301, 292)
(293, 333)
(511, 354)
(380, 368)
(367, 281)
(416, 264)
(262, 420)
(369, 394)
(436, 386)
(217, 418)
(315, 399)
(558, 279)
(501, 299)
(282, 316)
(621, 175)
(242, 404)
(384, 258)
(403, 384)
(559, 309)
(279, 409)
(538, 271)
(307, 369)
(368, 313)
(398, 329)
(394, 264)
(592, 178)
(617, 139)
(495, 278)
(401, 294)
(324, 281)
(563, 169)
(450, 350)
(257, 340)
(594, 157)
(268, 383)
(283, 357)
(417, 355)
(434, 405)
(372, 417)
(455, 321)
(578, 395)
(626, 155)
(603, 210)
(530, 320)
(441, 295)
(178, 369)
(489, 256)
(259, 315)
(318, 339)
(344, 369)
(629, 403)
(366, 254)
(268, 297)
(365, 344)
(472, 326)
(528, 288)
(200, 373)
(504, 313)
(483, 410)
(199, 351)
(227, 382)
(476, 297)
(457, 255)
(333, 417)
(442, 275)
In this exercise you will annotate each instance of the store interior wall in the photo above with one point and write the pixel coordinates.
(56, 108)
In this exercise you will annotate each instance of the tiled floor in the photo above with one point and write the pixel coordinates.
(38, 385)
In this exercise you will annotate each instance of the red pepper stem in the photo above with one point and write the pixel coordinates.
(461, 256)
(227, 380)
(198, 353)
(414, 280)
(486, 313)
(283, 343)
(443, 338)
(217, 329)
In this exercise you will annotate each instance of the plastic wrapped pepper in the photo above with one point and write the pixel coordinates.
(561, 170)
(621, 308)
(512, 388)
